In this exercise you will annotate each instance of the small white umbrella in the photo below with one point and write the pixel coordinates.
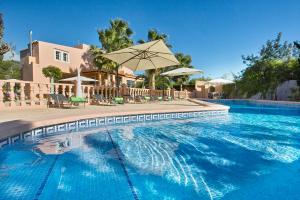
(75, 78)
(182, 72)
(220, 81)
(78, 79)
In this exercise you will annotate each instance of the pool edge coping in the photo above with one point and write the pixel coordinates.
(34, 127)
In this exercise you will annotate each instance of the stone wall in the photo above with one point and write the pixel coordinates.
(283, 91)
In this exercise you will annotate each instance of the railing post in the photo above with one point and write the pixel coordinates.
(1, 94)
(47, 90)
(173, 93)
(91, 93)
(186, 94)
(56, 89)
(102, 91)
(63, 89)
(40, 88)
(69, 91)
(73, 90)
(114, 91)
(12, 93)
(106, 92)
(32, 96)
(22, 94)
(88, 93)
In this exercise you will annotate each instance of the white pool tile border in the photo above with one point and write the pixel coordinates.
(259, 102)
(103, 121)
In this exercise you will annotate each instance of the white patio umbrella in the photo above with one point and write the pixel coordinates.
(150, 55)
(78, 79)
(220, 81)
(82, 78)
(182, 72)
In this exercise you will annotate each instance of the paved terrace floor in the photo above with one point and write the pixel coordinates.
(12, 122)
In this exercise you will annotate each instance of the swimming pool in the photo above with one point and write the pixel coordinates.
(251, 153)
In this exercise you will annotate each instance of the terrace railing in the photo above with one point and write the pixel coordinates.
(17, 94)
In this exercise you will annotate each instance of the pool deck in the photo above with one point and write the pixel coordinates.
(16, 121)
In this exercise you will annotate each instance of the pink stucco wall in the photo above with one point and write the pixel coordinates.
(44, 55)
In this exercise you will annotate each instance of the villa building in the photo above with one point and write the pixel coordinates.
(204, 90)
(68, 59)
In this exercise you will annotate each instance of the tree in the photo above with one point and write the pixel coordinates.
(52, 72)
(297, 54)
(10, 69)
(186, 62)
(153, 34)
(273, 50)
(163, 82)
(117, 36)
(4, 47)
(101, 63)
(275, 63)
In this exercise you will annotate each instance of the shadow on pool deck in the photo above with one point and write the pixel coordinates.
(11, 127)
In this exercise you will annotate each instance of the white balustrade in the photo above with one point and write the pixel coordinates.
(22, 94)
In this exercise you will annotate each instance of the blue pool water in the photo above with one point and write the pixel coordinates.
(251, 153)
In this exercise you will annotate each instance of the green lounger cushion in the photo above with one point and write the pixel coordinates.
(77, 100)
(147, 98)
(119, 100)
(159, 98)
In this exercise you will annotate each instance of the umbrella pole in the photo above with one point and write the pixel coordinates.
(117, 80)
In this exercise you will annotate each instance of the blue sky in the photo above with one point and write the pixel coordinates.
(214, 32)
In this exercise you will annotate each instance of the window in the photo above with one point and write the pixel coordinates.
(61, 55)
(130, 83)
(65, 57)
(57, 55)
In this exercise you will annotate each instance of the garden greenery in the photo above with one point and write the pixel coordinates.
(276, 62)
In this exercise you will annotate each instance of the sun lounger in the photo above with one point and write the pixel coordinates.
(141, 99)
(78, 100)
(147, 98)
(160, 98)
(128, 99)
(118, 100)
(168, 98)
(138, 99)
(58, 100)
(99, 99)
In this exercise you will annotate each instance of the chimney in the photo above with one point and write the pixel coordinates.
(30, 42)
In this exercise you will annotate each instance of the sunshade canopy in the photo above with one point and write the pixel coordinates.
(78, 80)
(82, 78)
(220, 81)
(182, 71)
(150, 55)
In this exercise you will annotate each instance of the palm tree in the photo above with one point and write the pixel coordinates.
(153, 34)
(117, 36)
(186, 62)
(100, 62)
